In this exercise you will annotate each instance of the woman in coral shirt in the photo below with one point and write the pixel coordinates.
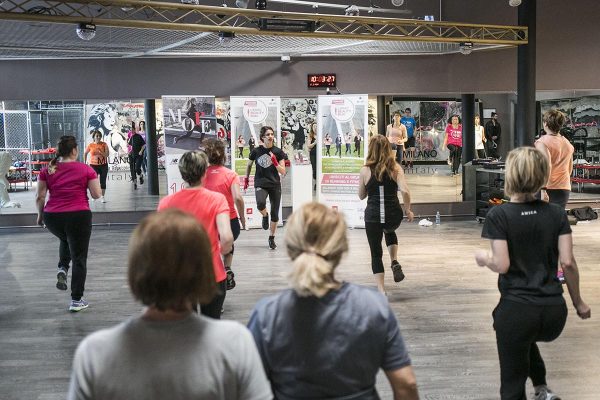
(98, 151)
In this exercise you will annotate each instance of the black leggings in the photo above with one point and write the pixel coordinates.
(213, 309)
(102, 171)
(375, 231)
(235, 229)
(455, 152)
(135, 165)
(73, 229)
(518, 327)
(558, 196)
(398, 152)
(274, 194)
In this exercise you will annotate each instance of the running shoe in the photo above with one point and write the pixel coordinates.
(272, 244)
(397, 270)
(78, 305)
(141, 179)
(61, 279)
(546, 394)
(265, 222)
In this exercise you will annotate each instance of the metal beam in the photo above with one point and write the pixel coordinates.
(182, 17)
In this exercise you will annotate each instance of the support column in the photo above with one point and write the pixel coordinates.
(151, 146)
(526, 77)
(381, 121)
(468, 127)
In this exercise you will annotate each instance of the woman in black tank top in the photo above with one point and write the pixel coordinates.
(379, 181)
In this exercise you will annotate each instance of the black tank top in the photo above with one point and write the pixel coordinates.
(383, 205)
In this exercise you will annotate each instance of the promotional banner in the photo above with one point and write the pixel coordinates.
(342, 147)
(113, 120)
(187, 122)
(248, 115)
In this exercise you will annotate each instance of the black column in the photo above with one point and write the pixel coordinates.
(468, 127)
(526, 77)
(150, 116)
(381, 121)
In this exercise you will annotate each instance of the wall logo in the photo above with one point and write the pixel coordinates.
(342, 110)
(255, 111)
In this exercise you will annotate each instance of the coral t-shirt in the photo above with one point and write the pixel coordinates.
(68, 186)
(454, 135)
(219, 179)
(561, 156)
(97, 151)
(204, 205)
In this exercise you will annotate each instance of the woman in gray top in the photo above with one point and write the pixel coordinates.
(325, 338)
(170, 352)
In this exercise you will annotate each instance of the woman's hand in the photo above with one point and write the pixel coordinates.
(583, 310)
(410, 215)
(243, 222)
(40, 220)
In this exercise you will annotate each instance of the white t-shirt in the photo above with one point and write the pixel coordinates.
(479, 138)
(193, 358)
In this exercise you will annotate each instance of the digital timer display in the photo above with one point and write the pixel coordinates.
(322, 80)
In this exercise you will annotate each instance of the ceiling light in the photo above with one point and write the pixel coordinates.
(397, 3)
(352, 11)
(86, 31)
(514, 3)
(261, 4)
(241, 3)
(225, 38)
(191, 2)
(466, 48)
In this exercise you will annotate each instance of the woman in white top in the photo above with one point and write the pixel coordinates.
(479, 138)
(396, 134)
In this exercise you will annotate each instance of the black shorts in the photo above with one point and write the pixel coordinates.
(410, 142)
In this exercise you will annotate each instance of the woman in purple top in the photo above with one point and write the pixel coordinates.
(67, 214)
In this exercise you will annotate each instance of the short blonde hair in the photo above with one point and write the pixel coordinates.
(316, 241)
(527, 171)
(192, 166)
(170, 261)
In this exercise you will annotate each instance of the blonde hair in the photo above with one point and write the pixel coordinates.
(527, 171)
(316, 241)
(380, 157)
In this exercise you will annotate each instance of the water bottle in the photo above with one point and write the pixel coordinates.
(437, 218)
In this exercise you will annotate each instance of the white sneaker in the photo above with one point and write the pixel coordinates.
(546, 394)
(425, 222)
(102, 199)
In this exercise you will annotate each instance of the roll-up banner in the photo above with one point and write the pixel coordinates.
(342, 147)
(248, 115)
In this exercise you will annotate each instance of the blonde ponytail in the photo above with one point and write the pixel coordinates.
(316, 241)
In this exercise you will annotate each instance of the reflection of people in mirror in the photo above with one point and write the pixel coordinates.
(453, 140)
(409, 122)
(479, 138)
(312, 148)
(397, 136)
(98, 151)
(327, 142)
(103, 118)
(240, 143)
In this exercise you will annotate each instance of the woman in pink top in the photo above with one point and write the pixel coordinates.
(67, 214)
(453, 140)
(559, 152)
(223, 180)
(212, 211)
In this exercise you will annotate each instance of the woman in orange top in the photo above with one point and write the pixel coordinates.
(559, 152)
(98, 151)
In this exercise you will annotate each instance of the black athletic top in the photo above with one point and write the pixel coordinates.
(266, 173)
(136, 142)
(531, 231)
(383, 205)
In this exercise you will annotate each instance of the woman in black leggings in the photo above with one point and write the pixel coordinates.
(379, 180)
(531, 308)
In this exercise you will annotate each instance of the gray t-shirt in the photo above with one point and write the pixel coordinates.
(193, 358)
(328, 347)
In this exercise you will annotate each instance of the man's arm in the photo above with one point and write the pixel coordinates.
(404, 383)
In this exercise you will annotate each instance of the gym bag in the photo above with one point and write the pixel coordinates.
(583, 213)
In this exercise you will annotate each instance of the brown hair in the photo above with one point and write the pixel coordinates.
(263, 131)
(215, 150)
(65, 146)
(527, 171)
(554, 120)
(95, 132)
(192, 166)
(380, 158)
(316, 241)
(170, 261)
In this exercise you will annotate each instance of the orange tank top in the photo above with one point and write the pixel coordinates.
(97, 152)
(561, 161)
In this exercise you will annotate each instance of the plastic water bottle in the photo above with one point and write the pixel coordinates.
(437, 218)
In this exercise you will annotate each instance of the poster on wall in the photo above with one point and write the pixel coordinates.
(342, 146)
(114, 120)
(372, 115)
(223, 113)
(248, 115)
(187, 122)
(160, 134)
(297, 117)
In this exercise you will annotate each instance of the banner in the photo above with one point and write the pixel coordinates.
(113, 120)
(248, 115)
(187, 122)
(341, 150)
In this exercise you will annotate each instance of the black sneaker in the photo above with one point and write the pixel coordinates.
(61, 279)
(397, 270)
(230, 278)
(272, 244)
(141, 179)
(265, 222)
(134, 185)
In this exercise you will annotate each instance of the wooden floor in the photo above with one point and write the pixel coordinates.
(444, 307)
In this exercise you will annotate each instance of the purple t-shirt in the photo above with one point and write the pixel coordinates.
(68, 186)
